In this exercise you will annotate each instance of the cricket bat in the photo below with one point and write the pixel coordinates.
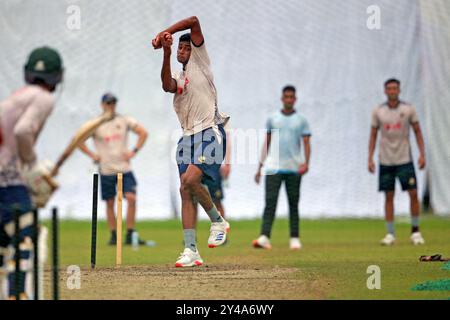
(83, 133)
(40, 178)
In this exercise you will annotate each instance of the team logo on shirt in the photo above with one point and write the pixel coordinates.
(181, 89)
(111, 138)
(393, 126)
(202, 159)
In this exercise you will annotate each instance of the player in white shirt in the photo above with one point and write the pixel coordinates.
(202, 148)
(22, 118)
(113, 156)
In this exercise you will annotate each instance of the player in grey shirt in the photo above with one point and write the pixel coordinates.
(394, 119)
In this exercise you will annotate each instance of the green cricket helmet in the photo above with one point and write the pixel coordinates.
(44, 64)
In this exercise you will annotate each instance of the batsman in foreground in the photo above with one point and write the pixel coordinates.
(22, 117)
(202, 147)
(394, 119)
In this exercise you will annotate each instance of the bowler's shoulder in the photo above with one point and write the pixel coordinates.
(199, 54)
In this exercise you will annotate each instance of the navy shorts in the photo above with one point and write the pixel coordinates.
(405, 173)
(109, 185)
(215, 188)
(206, 150)
(14, 199)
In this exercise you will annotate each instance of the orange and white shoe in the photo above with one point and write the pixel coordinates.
(218, 233)
(295, 244)
(263, 242)
(189, 258)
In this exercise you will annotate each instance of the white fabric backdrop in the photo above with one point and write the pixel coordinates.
(323, 47)
(435, 30)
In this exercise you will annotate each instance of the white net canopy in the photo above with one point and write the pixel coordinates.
(324, 48)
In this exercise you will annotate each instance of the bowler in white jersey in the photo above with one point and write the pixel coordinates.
(202, 147)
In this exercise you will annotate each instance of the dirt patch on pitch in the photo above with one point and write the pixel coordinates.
(218, 281)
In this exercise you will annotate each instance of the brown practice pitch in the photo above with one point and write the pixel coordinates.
(225, 281)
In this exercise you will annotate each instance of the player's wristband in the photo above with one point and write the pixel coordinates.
(135, 150)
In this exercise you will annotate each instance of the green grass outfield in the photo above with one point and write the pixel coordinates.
(337, 252)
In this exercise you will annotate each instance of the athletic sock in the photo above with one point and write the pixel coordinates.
(390, 227)
(113, 238)
(214, 215)
(414, 224)
(129, 238)
(189, 239)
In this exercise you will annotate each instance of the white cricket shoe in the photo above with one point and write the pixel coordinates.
(295, 244)
(388, 240)
(218, 233)
(189, 258)
(417, 239)
(262, 242)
